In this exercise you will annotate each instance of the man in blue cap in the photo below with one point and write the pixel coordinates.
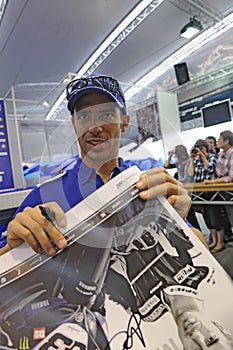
(98, 114)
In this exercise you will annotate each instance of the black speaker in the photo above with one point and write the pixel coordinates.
(182, 75)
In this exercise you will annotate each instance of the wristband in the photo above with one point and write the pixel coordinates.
(87, 288)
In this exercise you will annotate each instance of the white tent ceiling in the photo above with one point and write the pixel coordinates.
(42, 41)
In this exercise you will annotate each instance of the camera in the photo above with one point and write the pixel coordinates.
(194, 150)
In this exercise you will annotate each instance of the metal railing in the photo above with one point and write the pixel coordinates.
(218, 190)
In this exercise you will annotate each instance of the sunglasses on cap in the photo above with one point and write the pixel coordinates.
(110, 86)
(103, 82)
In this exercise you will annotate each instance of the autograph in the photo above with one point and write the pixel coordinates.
(133, 330)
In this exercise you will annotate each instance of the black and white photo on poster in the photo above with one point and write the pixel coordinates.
(134, 276)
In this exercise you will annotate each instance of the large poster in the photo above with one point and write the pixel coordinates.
(6, 176)
(134, 276)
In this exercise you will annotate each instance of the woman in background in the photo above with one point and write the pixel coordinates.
(181, 159)
(181, 163)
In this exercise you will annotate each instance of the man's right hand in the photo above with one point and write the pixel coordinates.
(32, 227)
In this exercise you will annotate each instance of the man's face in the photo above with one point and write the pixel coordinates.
(211, 144)
(221, 143)
(98, 123)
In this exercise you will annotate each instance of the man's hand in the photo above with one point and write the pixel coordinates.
(157, 182)
(32, 227)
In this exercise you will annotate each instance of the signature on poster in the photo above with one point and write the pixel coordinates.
(133, 331)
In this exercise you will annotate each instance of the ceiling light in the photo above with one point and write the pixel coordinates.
(191, 29)
(46, 104)
(66, 81)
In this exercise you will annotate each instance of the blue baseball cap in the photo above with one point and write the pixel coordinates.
(95, 83)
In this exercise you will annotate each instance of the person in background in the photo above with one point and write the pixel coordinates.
(202, 163)
(181, 163)
(224, 166)
(212, 142)
(202, 167)
(181, 159)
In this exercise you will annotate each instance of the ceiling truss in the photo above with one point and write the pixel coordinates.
(206, 14)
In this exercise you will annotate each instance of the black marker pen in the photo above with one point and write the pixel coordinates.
(47, 213)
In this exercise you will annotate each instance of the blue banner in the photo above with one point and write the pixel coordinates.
(6, 176)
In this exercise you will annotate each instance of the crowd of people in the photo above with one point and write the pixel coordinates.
(209, 161)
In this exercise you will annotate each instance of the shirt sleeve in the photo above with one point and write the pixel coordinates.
(229, 177)
(212, 164)
(3, 236)
(188, 223)
(32, 199)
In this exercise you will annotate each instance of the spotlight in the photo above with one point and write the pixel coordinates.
(191, 29)
(66, 81)
(46, 104)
